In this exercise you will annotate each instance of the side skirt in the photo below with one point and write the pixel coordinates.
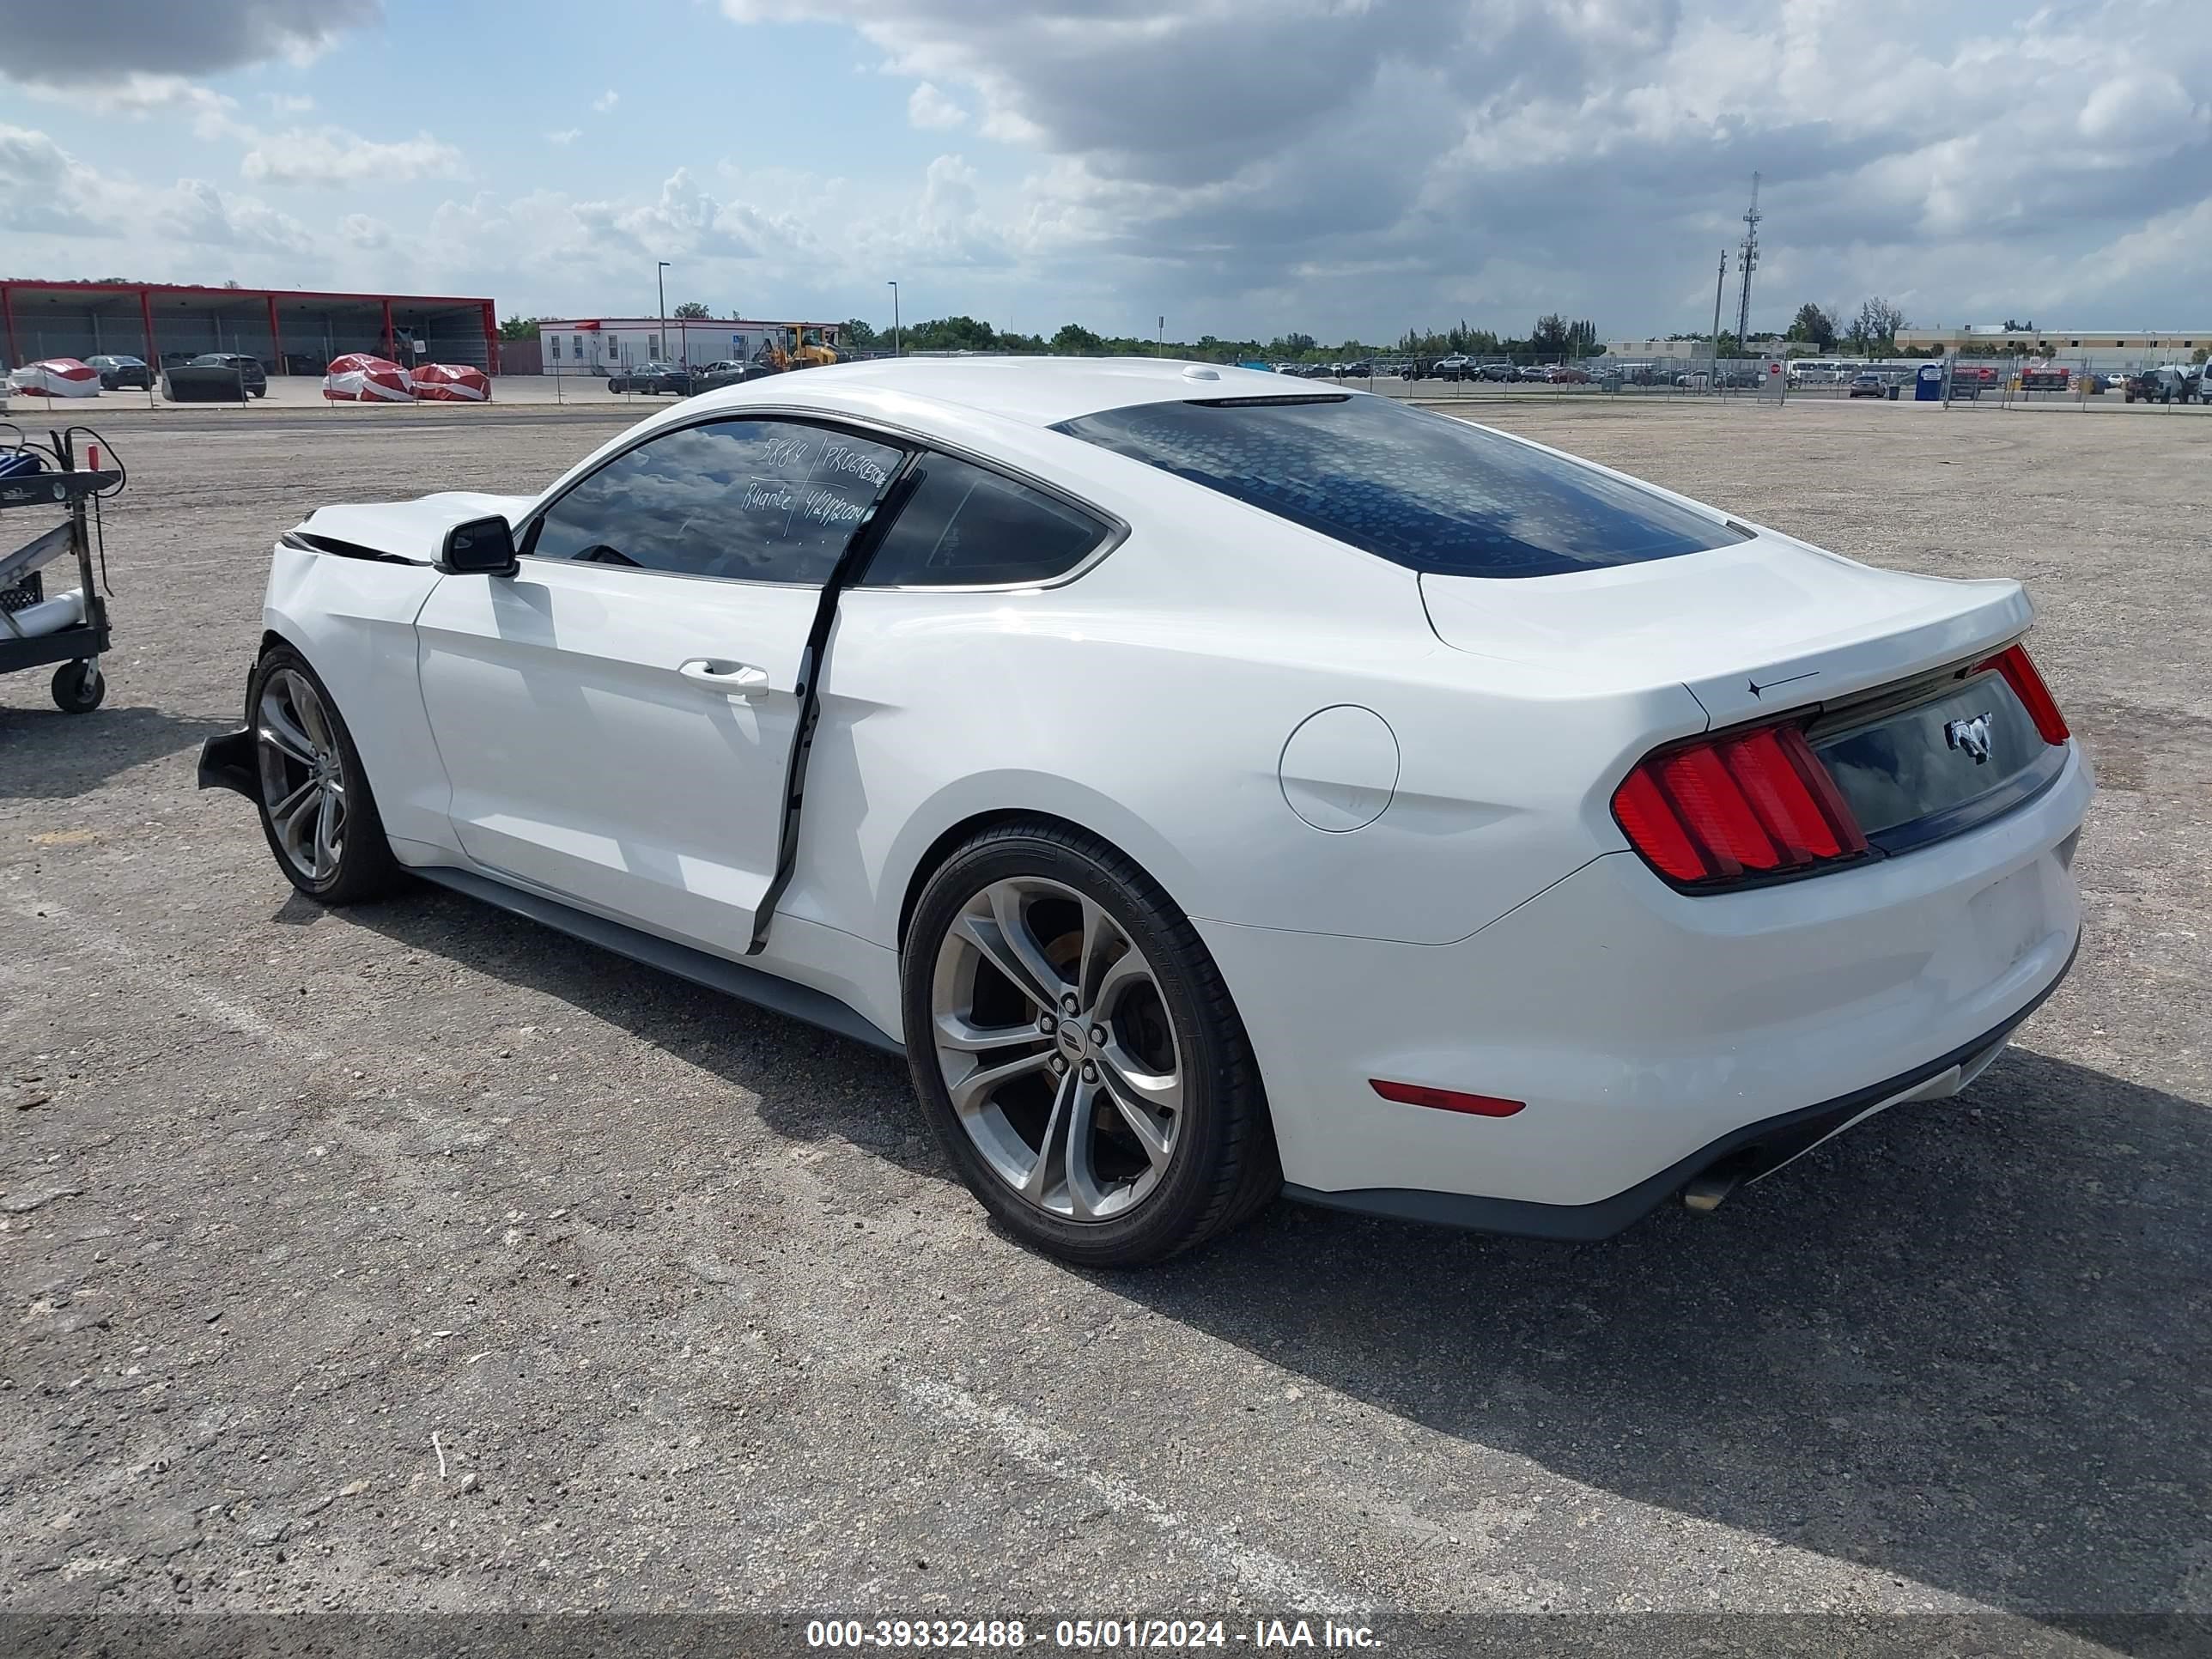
(781, 996)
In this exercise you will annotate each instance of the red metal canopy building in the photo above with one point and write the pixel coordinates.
(292, 332)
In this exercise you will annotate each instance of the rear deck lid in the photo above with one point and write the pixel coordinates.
(1753, 628)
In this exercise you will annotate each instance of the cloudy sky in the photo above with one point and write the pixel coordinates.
(1341, 167)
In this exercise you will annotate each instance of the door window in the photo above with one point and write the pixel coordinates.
(744, 500)
(964, 526)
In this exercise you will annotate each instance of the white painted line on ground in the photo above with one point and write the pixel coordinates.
(1261, 1570)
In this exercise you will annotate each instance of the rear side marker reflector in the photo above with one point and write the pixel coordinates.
(1738, 806)
(1445, 1100)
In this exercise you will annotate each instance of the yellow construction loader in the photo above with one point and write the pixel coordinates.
(801, 346)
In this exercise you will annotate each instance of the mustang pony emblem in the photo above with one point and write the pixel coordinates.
(1972, 734)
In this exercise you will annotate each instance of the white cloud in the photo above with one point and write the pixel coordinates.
(928, 108)
(290, 103)
(606, 101)
(359, 230)
(1975, 149)
(1331, 164)
(197, 212)
(140, 95)
(44, 190)
(332, 155)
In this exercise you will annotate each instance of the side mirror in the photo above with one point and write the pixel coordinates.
(481, 547)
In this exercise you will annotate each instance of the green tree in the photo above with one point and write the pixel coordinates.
(1549, 338)
(1874, 328)
(950, 334)
(861, 336)
(1815, 325)
(1076, 341)
(690, 310)
(518, 328)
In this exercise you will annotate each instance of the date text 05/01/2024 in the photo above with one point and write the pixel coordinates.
(1086, 1634)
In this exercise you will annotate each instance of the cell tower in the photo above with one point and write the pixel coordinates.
(1747, 259)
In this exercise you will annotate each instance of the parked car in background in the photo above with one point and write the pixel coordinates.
(119, 373)
(214, 376)
(1500, 372)
(659, 379)
(1571, 375)
(1867, 384)
(2170, 383)
(728, 371)
(1756, 842)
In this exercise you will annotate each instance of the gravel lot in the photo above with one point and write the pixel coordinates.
(296, 1206)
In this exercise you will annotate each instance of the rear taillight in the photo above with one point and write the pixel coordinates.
(2021, 673)
(1740, 806)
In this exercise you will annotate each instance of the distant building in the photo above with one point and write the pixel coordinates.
(1700, 349)
(291, 331)
(605, 345)
(2117, 348)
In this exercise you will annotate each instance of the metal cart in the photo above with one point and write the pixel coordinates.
(26, 485)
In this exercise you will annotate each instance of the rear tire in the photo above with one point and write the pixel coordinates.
(316, 808)
(1112, 1134)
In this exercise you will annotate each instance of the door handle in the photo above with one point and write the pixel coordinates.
(732, 679)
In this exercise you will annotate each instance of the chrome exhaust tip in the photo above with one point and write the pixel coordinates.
(1705, 1194)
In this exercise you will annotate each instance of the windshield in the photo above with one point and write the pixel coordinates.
(1421, 490)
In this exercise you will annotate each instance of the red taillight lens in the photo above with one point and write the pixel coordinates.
(2026, 682)
(1745, 804)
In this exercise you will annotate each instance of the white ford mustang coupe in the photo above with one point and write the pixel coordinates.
(1212, 789)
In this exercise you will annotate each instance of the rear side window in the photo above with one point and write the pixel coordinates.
(1421, 490)
(964, 526)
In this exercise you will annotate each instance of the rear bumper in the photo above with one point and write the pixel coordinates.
(1649, 1033)
(1745, 1154)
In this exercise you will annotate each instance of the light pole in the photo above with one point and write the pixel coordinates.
(896, 352)
(661, 287)
(1718, 281)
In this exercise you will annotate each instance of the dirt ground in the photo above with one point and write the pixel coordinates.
(413, 1258)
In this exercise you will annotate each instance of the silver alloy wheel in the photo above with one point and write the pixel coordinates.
(302, 781)
(1057, 1049)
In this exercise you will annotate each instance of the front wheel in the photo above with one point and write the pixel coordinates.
(316, 808)
(1076, 1053)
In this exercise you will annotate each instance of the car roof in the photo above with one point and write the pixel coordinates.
(1029, 391)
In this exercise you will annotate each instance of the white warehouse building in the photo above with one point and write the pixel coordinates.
(2109, 348)
(607, 345)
